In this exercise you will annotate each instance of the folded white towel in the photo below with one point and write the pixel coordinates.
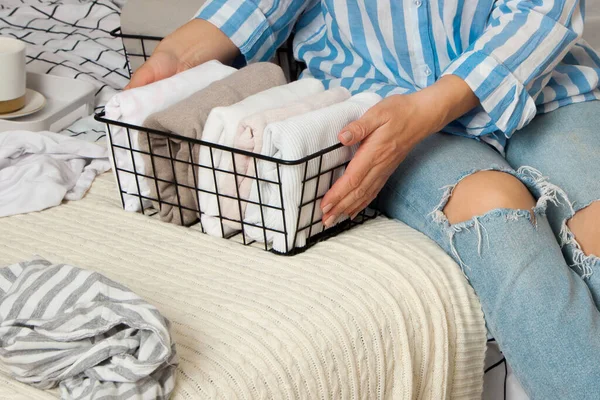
(40, 169)
(250, 138)
(221, 127)
(134, 106)
(294, 139)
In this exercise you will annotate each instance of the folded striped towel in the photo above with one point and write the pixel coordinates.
(62, 325)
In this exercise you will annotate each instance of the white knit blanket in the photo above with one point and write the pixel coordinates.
(378, 312)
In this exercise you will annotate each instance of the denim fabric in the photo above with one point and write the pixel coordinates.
(536, 287)
(565, 146)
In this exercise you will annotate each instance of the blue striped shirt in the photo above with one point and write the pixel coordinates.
(519, 57)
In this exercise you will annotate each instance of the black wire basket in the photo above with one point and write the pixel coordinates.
(141, 47)
(230, 226)
(184, 205)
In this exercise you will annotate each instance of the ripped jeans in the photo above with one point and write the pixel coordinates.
(539, 292)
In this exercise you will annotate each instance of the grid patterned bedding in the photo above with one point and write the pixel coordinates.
(70, 38)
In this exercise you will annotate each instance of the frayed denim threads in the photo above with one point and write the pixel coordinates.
(547, 192)
(586, 264)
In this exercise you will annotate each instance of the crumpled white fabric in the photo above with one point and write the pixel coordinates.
(40, 169)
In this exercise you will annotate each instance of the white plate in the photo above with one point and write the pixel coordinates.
(66, 100)
(34, 102)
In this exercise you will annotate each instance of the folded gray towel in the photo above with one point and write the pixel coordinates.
(63, 325)
(187, 118)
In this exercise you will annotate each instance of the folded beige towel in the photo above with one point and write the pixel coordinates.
(187, 118)
(250, 136)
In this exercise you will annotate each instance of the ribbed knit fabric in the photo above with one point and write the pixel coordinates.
(378, 312)
(293, 139)
(222, 127)
(251, 129)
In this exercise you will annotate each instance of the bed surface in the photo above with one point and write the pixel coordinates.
(377, 312)
(82, 27)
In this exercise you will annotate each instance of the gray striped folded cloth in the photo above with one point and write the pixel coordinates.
(62, 325)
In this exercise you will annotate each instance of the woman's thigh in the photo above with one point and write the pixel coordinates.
(564, 145)
(420, 187)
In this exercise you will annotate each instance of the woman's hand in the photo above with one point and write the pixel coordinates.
(387, 133)
(196, 42)
(161, 65)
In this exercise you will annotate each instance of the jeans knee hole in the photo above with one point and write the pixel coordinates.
(583, 226)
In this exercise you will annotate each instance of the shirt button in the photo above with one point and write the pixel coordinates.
(418, 3)
(427, 71)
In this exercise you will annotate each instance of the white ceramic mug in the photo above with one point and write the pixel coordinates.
(12, 75)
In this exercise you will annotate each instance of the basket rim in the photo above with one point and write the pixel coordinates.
(101, 117)
(117, 32)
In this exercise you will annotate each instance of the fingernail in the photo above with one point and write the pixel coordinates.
(346, 136)
(327, 208)
(354, 215)
(330, 221)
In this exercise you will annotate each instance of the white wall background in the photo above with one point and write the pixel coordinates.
(591, 31)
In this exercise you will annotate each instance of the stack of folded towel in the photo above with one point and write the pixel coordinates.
(293, 139)
(251, 132)
(222, 128)
(133, 107)
(188, 118)
(252, 110)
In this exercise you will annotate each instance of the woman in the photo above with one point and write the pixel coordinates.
(513, 198)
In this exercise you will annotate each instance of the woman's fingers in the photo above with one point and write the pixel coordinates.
(362, 206)
(375, 188)
(159, 66)
(386, 136)
(358, 130)
(141, 77)
(350, 181)
(353, 133)
(359, 184)
(353, 202)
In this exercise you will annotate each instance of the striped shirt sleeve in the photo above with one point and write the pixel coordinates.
(257, 27)
(509, 64)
